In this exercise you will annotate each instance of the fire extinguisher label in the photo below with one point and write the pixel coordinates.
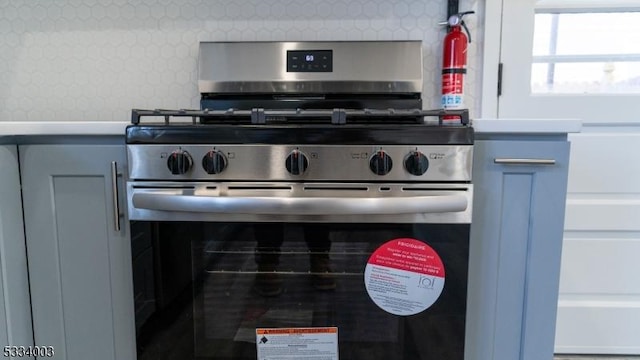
(451, 101)
(452, 83)
(452, 91)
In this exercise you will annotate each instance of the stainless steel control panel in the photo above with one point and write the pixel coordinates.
(310, 67)
(300, 163)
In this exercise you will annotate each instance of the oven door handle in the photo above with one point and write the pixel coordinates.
(300, 205)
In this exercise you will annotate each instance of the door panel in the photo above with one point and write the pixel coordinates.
(86, 307)
(599, 302)
(80, 264)
(603, 161)
(220, 281)
(596, 260)
(596, 311)
(620, 322)
(15, 306)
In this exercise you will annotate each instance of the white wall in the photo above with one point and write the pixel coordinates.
(98, 59)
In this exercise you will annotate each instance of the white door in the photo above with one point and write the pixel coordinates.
(581, 59)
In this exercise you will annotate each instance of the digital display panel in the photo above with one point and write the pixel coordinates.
(309, 60)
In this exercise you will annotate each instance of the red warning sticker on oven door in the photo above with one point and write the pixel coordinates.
(316, 343)
(404, 276)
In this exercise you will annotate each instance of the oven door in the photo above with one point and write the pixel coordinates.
(300, 271)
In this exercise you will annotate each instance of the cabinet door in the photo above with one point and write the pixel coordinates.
(15, 310)
(79, 261)
(516, 242)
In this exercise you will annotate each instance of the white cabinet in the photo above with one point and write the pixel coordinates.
(79, 250)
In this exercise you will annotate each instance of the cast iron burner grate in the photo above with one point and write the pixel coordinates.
(259, 116)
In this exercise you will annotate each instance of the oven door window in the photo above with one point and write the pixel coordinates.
(202, 289)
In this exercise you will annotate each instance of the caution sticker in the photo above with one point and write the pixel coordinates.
(404, 276)
(297, 343)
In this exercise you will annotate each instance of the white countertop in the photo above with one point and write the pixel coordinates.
(8, 128)
(527, 126)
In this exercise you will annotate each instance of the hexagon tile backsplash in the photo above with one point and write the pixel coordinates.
(86, 60)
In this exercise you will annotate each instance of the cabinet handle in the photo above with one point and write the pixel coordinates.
(116, 198)
(509, 161)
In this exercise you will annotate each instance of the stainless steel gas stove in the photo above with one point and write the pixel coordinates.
(311, 195)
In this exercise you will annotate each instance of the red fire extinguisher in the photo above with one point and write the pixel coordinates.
(454, 65)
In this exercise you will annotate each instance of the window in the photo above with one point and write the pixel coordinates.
(576, 59)
(585, 52)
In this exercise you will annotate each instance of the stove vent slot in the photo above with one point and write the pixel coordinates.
(161, 187)
(432, 189)
(336, 188)
(249, 187)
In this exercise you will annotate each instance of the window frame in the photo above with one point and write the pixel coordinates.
(553, 59)
(511, 43)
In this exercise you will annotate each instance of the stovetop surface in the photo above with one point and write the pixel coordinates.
(323, 126)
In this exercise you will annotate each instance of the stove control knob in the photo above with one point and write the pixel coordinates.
(416, 163)
(179, 162)
(380, 163)
(296, 162)
(214, 162)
